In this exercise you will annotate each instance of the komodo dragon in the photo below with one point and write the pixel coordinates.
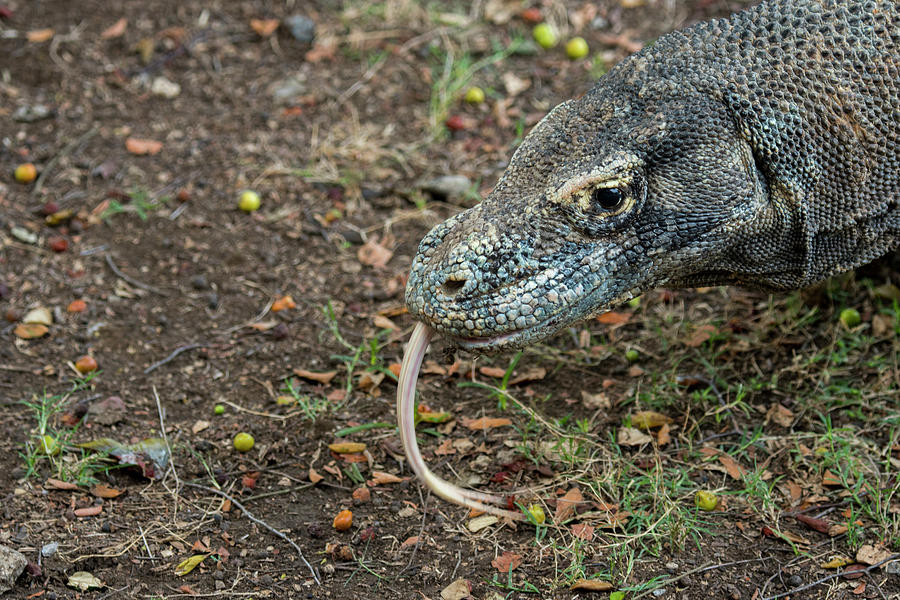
(760, 150)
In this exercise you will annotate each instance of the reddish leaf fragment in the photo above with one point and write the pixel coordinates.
(854, 571)
(734, 470)
(381, 478)
(283, 303)
(56, 484)
(592, 585)
(374, 254)
(492, 372)
(101, 490)
(506, 562)
(90, 511)
(323, 377)
(565, 506)
(37, 36)
(614, 318)
(264, 27)
(819, 525)
(583, 531)
(485, 423)
(139, 146)
(30, 331)
(115, 30)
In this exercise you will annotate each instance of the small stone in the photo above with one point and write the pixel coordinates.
(302, 28)
(200, 282)
(795, 580)
(658, 592)
(31, 113)
(108, 412)
(212, 300)
(48, 550)
(287, 90)
(448, 187)
(672, 567)
(12, 563)
(23, 235)
(165, 88)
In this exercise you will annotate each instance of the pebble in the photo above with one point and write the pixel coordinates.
(12, 563)
(30, 113)
(199, 282)
(672, 567)
(286, 90)
(795, 580)
(165, 88)
(448, 186)
(49, 549)
(302, 28)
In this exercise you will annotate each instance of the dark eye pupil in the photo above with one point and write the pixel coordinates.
(607, 198)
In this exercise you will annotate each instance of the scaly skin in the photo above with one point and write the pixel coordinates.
(761, 150)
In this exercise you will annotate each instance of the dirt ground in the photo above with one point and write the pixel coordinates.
(340, 137)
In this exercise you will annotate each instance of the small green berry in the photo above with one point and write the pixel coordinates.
(544, 35)
(577, 48)
(249, 201)
(706, 500)
(49, 445)
(243, 442)
(632, 355)
(219, 409)
(475, 95)
(850, 317)
(634, 302)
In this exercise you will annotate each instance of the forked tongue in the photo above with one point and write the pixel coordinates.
(406, 419)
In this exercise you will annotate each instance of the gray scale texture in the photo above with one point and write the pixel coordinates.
(761, 150)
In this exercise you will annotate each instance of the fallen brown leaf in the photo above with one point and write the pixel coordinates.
(139, 146)
(734, 470)
(115, 30)
(780, 415)
(30, 331)
(565, 506)
(322, 377)
(101, 490)
(314, 476)
(583, 531)
(614, 318)
(374, 254)
(496, 372)
(649, 419)
(346, 447)
(870, 555)
(506, 562)
(90, 511)
(264, 27)
(39, 35)
(381, 478)
(662, 436)
(592, 585)
(629, 436)
(56, 484)
(485, 423)
(700, 335)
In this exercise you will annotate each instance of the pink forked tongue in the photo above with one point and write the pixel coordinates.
(406, 407)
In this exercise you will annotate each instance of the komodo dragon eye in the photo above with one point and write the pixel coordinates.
(608, 199)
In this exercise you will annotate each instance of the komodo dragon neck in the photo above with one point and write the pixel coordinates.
(761, 150)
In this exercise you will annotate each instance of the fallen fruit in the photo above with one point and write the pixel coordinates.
(456, 123)
(577, 48)
(243, 442)
(537, 513)
(49, 445)
(76, 306)
(850, 317)
(25, 173)
(249, 201)
(219, 409)
(531, 15)
(343, 521)
(58, 244)
(475, 95)
(86, 364)
(706, 500)
(632, 355)
(544, 35)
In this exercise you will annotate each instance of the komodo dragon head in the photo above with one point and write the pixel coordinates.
(644, 181)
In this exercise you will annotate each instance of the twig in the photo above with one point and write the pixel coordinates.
(259, 522)
(162, 428)
(424, 501)
(146, 545)
(132, 280)
(172, 356)
(67, 149)
(828, 578)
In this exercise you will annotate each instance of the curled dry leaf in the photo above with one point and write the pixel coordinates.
(323, 377)
(629, 436)
(662, 436)
(30, 331)
(485, 423)
(264, 27)
(37, 36)
(458, 590)
(115, 30)
(478, 523)
(565, 506)
(189, 564)
(870, 555)
(140, 146)
(592, 585)
(836, 562)
(780, 415)
(84, 581)
(583, 531)
(374, 254)
(56, 484)
(381, 478)
(314, 476)
(649, 419)
(614, 318)
(734, 470)
(347, 447)
(89, 511)
(101, 490)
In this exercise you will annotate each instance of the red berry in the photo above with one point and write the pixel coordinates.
(58, 244)
(456, 123)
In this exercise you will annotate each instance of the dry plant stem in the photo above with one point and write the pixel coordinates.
(132, 280)
(406, 406)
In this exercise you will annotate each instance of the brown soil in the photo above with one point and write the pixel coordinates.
(165, 262)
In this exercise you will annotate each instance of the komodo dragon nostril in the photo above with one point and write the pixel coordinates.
(451, 287)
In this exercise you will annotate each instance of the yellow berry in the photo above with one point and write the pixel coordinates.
(25, 173)
(537, 513)
(249, 201)
(544, 35)
(577, 48)
(243, 442)
(706, 500)
(49, 445)
(475, 95)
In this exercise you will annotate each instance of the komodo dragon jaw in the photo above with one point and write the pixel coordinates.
(760, 150)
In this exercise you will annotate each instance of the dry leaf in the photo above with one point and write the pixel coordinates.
(446, 448)
(583, 531)
(532, 374)
(870, 555)
(458, 590)
(836, 562)
(347, 447)
(384, 323)
(141, 146)
(380, 478)
(514, 84)
(598, 401)
(39, 35)
(734, 470)
(485, 423)
(90, 511)
(263, 325)
(264, 27)
(819, 525)
(30, 331)
(614, 318)
(314, 476)
(478, 523)
(780, 415)
(410, 541)
(374, 254)
(629, 436)
(199, 426)
(565, 506)
(492, 372)
(649, 419)
(662, 436)
(506, 562)
(321, 51)
(368, 381)
(283, 303)
(189, 564)
(592, 585)
(83, 581)
(38, 316)
(701, 334)
(830, 479)
(115, 30)
(101, 490)
(321, 377)
(56, 484)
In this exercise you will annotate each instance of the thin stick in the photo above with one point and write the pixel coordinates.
(172, 356)
(259, 522)
(132, 280)
(64, 152)
(698, 570)
(162, 428)
(828, 578)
